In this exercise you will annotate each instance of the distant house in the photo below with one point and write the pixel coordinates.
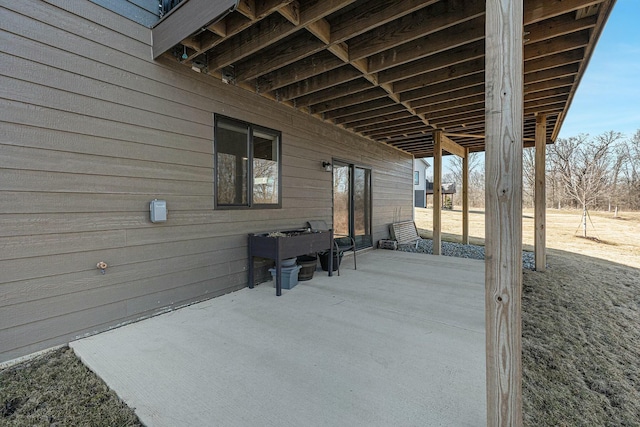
(447, 188)
(420, 167)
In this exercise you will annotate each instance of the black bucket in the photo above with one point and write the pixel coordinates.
(324, 260)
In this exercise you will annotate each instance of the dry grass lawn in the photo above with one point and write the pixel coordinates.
(57, 390)
(618, 239)
(581, 318)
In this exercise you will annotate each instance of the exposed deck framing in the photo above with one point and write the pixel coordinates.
(391, 71)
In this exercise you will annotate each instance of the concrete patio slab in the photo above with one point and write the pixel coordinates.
(399, 342)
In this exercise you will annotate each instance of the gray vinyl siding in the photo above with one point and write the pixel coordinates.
(91, 130)
(145, 12)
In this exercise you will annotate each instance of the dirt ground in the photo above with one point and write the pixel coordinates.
(580, 318)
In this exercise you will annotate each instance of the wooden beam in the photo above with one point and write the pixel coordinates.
(291, 12)
(428, 45)
(237, 22)
(464, 135)
(371, 14)
(442, 88)
(361, 108)
(336, 92)
(184, 20)
(437, 192)
(554, 70)
(464, 108)
(540, 196)
(247, 8)
(465, 197)
(503, 210)
(219, 28)
(320, 9)
(557, 27)
(368, 113)
(415, 128)
(308, 67)
(452, 72)
(299, 48)
(428, 20)
(451, 147)
(549, 84)
(321, 29)
(452, 105)
(443, 59)
(234, 23)
(535, 56)
(452, 95)
(445, 88)
(448, 124)
(356, 124)
(474, 128)
(540, 103)
(347, 101)
(317, 83)
(454, 100)
(278, 56)
(548, 93)
(473, 118)
(551, 73)
(267, 7)
(553, 61)
(539, 10)
(259, 36)
(556, 45)
(386, 124)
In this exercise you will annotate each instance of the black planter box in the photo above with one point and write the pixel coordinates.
(294, 243)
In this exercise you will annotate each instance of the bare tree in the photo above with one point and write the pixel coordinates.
(584, 168)
(455, 172)
(476, 188)
(619, 160)
(630, 171)
(528, 176)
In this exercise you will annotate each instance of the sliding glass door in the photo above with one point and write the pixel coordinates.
(352, 202)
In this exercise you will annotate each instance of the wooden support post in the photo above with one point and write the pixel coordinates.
(503, 225)
(540, 194)
(465, 197)
(437, 192)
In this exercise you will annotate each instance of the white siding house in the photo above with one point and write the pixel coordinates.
(420, 167)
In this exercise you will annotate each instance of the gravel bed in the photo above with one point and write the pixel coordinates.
(425, 246)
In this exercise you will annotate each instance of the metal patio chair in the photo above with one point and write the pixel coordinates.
(342, 243)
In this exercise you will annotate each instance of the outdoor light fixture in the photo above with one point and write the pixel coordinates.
(327, 166)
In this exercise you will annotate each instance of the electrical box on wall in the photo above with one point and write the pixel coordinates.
(158, 210)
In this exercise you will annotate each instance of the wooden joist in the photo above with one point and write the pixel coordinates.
(422, 62)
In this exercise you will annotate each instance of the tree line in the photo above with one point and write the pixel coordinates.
(582, 172)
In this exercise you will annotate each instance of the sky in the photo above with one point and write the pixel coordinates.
(608, 97)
